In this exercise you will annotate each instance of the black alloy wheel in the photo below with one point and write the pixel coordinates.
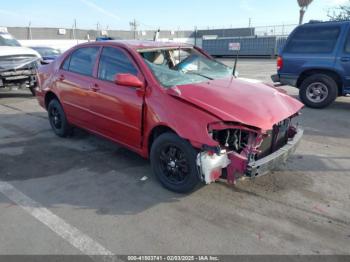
(173, 161)
(58, 120)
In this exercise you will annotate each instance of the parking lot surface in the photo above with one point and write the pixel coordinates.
(87, 195)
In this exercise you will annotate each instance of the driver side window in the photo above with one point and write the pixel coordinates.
(114, 61)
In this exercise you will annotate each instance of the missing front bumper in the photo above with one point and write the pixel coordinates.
(232, 166)
(274, 160)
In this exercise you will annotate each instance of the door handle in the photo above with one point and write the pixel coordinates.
(61, 78)
(94, 87)
(345, 59)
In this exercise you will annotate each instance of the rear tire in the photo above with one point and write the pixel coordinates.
(173, 161)
(58, 120)
(318, 91)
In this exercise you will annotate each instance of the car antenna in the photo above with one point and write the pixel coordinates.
(235, 47)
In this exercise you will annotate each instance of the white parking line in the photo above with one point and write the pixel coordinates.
(69, 233)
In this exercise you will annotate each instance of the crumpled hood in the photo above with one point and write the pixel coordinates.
(12, 58)
(17, 50)
(234, 100)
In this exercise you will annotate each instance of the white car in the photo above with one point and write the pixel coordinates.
(17, 64)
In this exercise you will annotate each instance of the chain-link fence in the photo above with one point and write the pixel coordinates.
(275, 30)
(271, 30)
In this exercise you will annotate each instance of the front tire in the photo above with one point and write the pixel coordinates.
(32, 90)
(58, 120)
(173, 161)
(318, 91)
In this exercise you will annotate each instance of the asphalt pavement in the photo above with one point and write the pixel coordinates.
(86, 195)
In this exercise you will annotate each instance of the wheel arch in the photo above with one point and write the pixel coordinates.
(331, 73)
(156, 132)
(49, 96)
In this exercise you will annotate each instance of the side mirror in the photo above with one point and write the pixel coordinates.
(128, 80)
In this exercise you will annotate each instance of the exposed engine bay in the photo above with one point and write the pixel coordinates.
(241, 147)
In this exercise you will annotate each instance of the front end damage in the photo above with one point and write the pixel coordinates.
(247, 152)
(18, 71)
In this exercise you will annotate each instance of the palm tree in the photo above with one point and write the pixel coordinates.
(303, 6)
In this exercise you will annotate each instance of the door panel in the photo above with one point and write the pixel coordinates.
(118, 112)
(117, 109)
(74, 92)
(74, 82)
(343, 60)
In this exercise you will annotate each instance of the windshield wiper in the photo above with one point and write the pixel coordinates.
(199, 74)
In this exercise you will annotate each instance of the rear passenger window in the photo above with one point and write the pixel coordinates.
(314, 40)
(347, 45)
(82, 61)
(113, 61)
(66, 64)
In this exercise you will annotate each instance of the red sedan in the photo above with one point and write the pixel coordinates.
(174, 104)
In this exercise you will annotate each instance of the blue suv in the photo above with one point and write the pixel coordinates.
(316, 60)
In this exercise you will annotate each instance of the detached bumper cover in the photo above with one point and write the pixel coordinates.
(276, 159)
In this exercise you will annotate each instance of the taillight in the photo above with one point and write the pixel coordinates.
(279, 63)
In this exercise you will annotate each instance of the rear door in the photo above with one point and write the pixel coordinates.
(75, 78)
(117, 109)
(343, 60)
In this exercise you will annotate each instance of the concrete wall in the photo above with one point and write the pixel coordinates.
(54, 38)
(36, 33)
(251, 44)
(63, 45)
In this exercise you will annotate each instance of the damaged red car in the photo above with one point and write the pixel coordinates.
(174, 104)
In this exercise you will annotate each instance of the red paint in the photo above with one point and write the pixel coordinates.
(128, 80)
(239, 101)
(237, 167)
(216, 174)
(128, 115)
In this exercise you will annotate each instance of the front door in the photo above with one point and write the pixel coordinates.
(117, 109)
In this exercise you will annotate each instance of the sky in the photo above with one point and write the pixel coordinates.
(152, 14)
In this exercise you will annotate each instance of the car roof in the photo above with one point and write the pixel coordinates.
(142, 44)
(42, 47)
(326, 23)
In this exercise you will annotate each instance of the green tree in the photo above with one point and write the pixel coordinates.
(303, 4)
(340, 13)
